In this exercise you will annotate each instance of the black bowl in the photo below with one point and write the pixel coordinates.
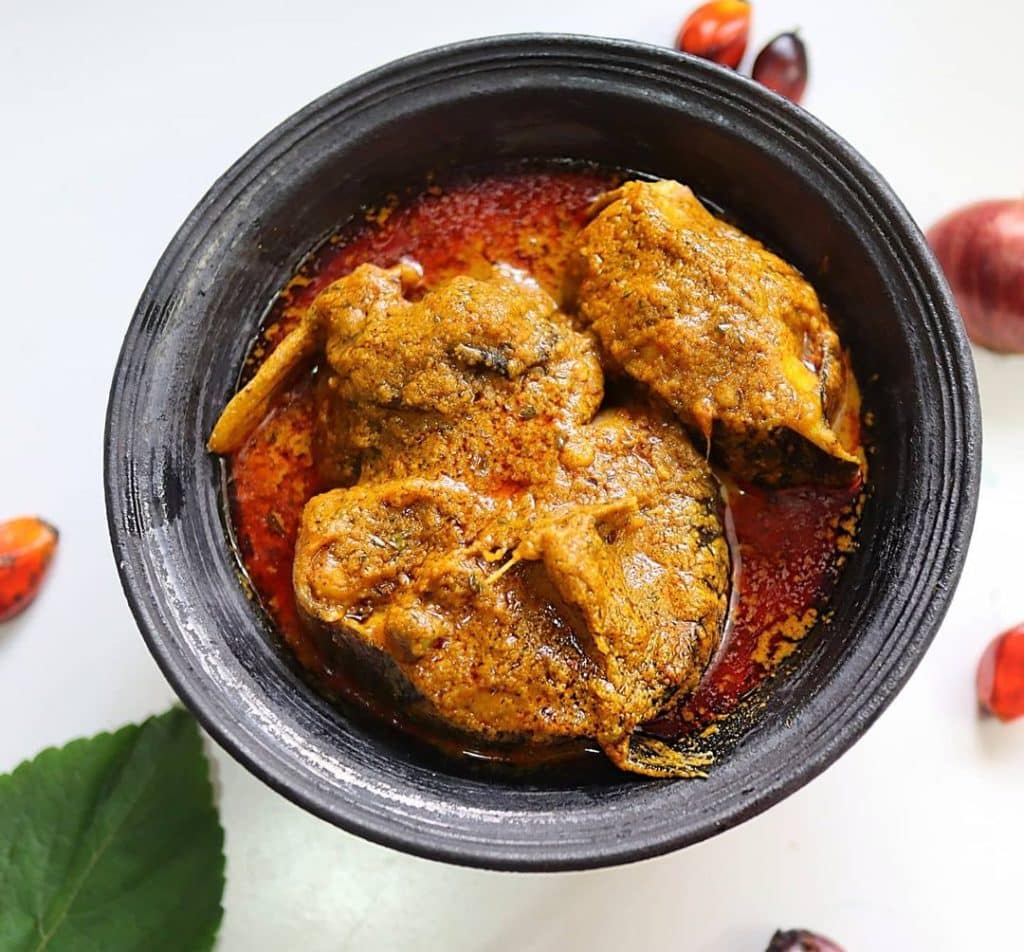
(787, 178)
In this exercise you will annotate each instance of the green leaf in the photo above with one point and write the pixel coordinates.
(112, 843)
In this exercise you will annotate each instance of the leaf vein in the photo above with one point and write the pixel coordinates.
(76, 888)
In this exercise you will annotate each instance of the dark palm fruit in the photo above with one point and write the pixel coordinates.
(782, 66)
(800, 940)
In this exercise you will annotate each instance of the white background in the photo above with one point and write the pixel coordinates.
(115, 120)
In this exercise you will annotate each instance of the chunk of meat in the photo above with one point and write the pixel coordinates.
(339, 310)
(473, 365)
(728, 334)
(651, 579)
(610, 600)
(433, 387)
(398, 571)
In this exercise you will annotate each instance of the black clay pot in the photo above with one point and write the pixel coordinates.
(782, 175)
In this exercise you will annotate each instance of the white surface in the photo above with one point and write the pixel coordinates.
(115, 121)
